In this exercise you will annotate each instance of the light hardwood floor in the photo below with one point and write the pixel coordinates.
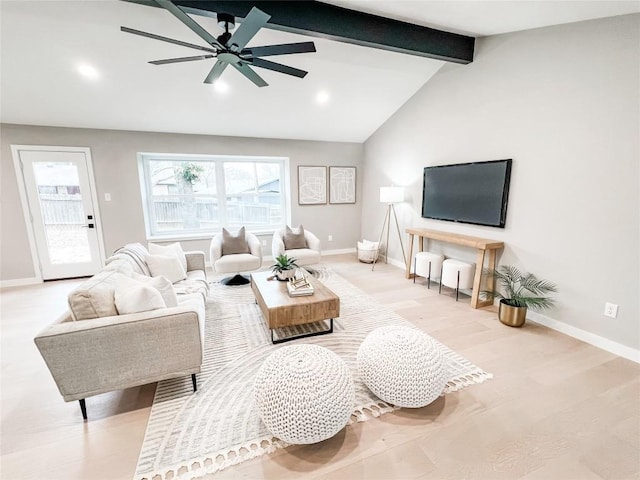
(557, 408)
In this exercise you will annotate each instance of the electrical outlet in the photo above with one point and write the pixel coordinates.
(107, 197)
(610, 310)
(330, 238)
(264, 243)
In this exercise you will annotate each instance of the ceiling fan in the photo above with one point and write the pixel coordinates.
(229, 49)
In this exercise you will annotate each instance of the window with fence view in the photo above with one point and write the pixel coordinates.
(195, 194)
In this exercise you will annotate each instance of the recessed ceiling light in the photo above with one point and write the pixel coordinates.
(322, 97)
(87, 71)
(221, 86)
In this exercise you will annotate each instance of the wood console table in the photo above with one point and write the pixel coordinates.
(482, 245)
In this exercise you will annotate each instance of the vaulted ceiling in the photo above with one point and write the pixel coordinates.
(349, 92)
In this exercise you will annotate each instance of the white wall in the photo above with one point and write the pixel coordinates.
(563, 102)
(115, 170)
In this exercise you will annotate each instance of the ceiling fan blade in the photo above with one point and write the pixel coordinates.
(246, 70)
(181, 59)
(284, 49)
(254, 21)
(216, 71)
(166, 39)
(278, 67)
(189, 22)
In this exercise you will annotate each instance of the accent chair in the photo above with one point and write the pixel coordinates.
(298, 243)
(235, 254)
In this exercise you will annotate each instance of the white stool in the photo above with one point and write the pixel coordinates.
(425, 264)
(456, 274)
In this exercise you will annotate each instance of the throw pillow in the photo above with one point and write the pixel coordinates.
(172, 249)
(163, 285)
(294, 238)
(132, 296)
(93, 298)
(232, 244)
(166, 266)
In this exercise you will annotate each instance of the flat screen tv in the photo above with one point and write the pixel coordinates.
(475, 193)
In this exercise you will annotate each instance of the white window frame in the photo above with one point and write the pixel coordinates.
(219, 160)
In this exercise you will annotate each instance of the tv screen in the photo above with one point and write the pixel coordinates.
(475, 193)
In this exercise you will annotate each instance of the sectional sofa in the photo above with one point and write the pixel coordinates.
(117, 334)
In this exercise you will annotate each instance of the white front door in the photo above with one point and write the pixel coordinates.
(61, 198)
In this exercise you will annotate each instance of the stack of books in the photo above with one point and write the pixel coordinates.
(299, 286)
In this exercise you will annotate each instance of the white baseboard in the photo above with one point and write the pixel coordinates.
(591, 338)
(20, 282)
(588, 337)
(339, 251)
(395, 263)
(269, 258)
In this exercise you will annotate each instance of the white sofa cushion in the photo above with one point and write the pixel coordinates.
(167, 266)
(132, 296)
(168, 250)
(93, 298)
(163, 285)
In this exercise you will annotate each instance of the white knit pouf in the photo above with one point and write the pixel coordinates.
(402, 366)
(304, 393)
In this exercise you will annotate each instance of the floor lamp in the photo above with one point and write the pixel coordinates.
(390, 195)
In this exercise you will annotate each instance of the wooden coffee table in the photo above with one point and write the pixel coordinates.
(282, 310)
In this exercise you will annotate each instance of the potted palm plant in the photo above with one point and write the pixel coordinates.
(285, 267)
(519, 291)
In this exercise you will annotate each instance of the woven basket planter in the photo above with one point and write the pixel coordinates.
(368, 251)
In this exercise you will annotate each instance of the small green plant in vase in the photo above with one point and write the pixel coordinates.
(284, 268)
(519, 291)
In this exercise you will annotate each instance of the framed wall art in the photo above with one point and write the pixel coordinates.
(312, 185)
(342, 184)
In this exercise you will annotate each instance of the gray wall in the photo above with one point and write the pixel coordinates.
(563, 102)
(115, 170)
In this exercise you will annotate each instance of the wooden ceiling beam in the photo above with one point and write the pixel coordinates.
(340, 24)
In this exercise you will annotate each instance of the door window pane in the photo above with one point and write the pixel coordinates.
(62, 212)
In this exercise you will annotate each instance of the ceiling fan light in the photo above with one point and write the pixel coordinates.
(87, 71)
(221, 86)
(322, 97)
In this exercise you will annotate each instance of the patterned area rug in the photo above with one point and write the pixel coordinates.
(190, 435)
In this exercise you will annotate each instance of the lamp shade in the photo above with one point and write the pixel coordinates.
(391, 194)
